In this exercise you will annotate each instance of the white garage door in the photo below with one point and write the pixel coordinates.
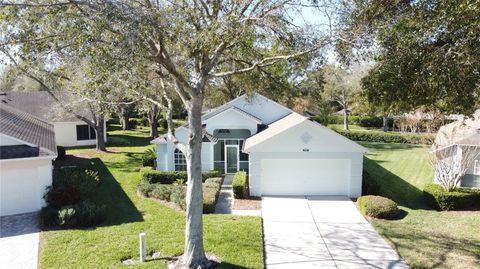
(305, 176)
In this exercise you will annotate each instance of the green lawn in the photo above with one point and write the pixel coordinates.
(236, 240)
(424, 238)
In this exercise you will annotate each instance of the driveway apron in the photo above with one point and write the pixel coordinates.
(322, 232)
(19, 237)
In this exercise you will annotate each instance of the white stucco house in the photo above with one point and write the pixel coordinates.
(456, 137)
(27, 149)
(283, 152)
(69, 130)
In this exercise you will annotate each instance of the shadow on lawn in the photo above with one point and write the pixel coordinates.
(419, 243)
(394, 187)
(120, 209)
(229, 265)
(127, 140)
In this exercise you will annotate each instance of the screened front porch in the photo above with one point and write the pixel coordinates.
(227, 152)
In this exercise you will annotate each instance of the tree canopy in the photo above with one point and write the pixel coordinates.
(426, 51)
(192, 44)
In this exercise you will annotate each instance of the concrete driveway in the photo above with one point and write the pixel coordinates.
(19, 236)
(322, 232)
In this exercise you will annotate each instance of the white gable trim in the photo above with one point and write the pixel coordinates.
(293, 120)
(273, 129)
(240, 112)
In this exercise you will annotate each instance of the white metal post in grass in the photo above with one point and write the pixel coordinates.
(143, 247)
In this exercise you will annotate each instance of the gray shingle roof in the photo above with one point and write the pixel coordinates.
(42, 105)
(28, 128)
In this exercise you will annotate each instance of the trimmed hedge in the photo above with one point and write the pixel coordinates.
(461, 198)
(169, 177)
(378, 207)
(240, 185)
(211, 191)
(369, 121)
(383, 137)
(177, 193)
(178, 196)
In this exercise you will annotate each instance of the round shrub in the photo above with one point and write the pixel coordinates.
(146, 188)
(378, 207)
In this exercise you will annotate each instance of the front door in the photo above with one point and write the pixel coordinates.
(231, 158)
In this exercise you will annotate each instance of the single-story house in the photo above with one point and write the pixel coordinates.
(69, 130)
(456, 137)
(27, 149)
(283, 152)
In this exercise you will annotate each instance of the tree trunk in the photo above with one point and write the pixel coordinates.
(154, 127)
(345, 118)
(153, 121)
(194, 254)
(125, 123)
(385, 124)
(100, 132)
(169, 118)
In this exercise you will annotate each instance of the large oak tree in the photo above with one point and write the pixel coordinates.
(426, 51)
(192, 42)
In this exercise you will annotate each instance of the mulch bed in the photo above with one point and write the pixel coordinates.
(247, 204)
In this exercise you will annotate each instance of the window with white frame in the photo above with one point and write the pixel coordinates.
(179, 160)
(476, 167)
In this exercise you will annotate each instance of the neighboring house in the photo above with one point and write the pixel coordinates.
(283, 152)
(472, 177)
(27, 148)
(460, 134)
(69, 130)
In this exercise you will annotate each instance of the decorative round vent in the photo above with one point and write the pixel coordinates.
(306, 137)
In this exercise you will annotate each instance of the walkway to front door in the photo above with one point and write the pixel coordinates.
(322, 232)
